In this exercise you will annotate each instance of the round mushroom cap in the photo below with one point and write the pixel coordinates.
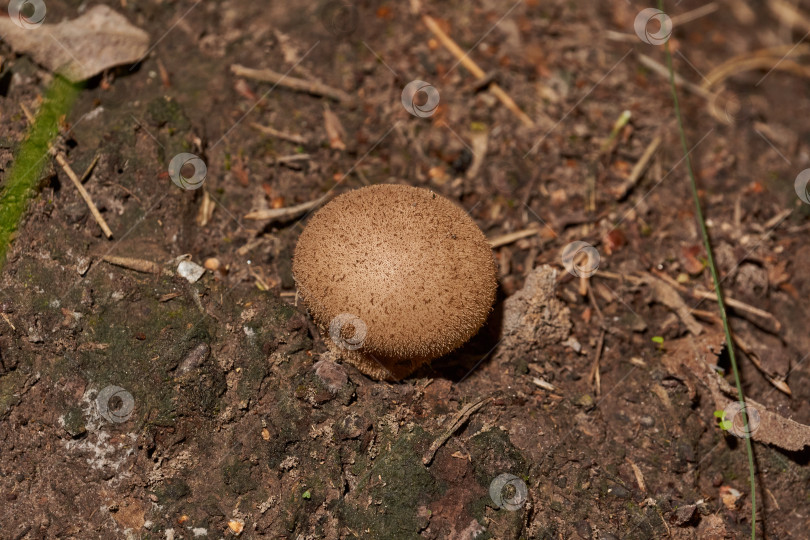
(395, 276)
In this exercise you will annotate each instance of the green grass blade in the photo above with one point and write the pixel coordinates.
(716, 279)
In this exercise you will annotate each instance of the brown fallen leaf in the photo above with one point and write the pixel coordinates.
(691, 358)
(334, 129)
(79, 48)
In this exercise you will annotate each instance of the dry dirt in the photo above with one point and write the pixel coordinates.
(138, 405)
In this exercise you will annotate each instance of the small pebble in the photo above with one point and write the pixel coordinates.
(211, 263)
(191, 271)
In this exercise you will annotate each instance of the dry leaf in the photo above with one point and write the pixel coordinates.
(80, 48)
(691, 357)
(334, 130)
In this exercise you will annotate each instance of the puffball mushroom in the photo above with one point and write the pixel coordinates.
(395, 276)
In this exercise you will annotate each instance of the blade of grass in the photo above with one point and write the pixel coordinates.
(21, 182)
(716, 279)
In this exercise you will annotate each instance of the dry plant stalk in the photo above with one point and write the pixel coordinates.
(473, 68)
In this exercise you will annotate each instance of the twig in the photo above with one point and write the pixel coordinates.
(458, 420)
(677, 20)
(291, 212)
(768, 58)
(60, 158)
(473, 68)
(696, 13)
(777, 381)
(789, 14)
(660, 69)
(638, 169)
(595, 377)
(139, 265)
(291, 137)
(292, 158)
(508, 238)
(544, 384)
(776, 326)
(310, 87)
(90, 168)
(8, 321)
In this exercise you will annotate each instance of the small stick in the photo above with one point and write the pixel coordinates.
(473, 68)
(292, 137)
(60, 158)
(139, 265)
(310, 87)
(542, 383)
(663, 71)
(286, 213)
(8, 322)
(789, 15)
(292, 158)
(731, 302)
(595, 377)
(638, 169)
(696, 13)
(90, 168)
(508, 238)
(677, 20)
(458, 420)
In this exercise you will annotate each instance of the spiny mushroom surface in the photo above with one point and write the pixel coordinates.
(395, 276)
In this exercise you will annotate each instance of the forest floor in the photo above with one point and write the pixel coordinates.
(135, 403)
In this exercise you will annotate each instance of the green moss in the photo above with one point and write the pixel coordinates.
(23, 178)
(10, 385)
(400, 483)
(492, 454)
(74, 422)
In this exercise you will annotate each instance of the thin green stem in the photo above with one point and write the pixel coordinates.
(716, 279)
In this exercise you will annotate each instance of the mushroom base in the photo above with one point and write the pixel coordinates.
(375, 366)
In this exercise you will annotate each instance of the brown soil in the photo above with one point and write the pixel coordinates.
(233, 425)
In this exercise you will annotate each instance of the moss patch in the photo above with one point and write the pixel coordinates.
(398, 484)
(24, 175)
